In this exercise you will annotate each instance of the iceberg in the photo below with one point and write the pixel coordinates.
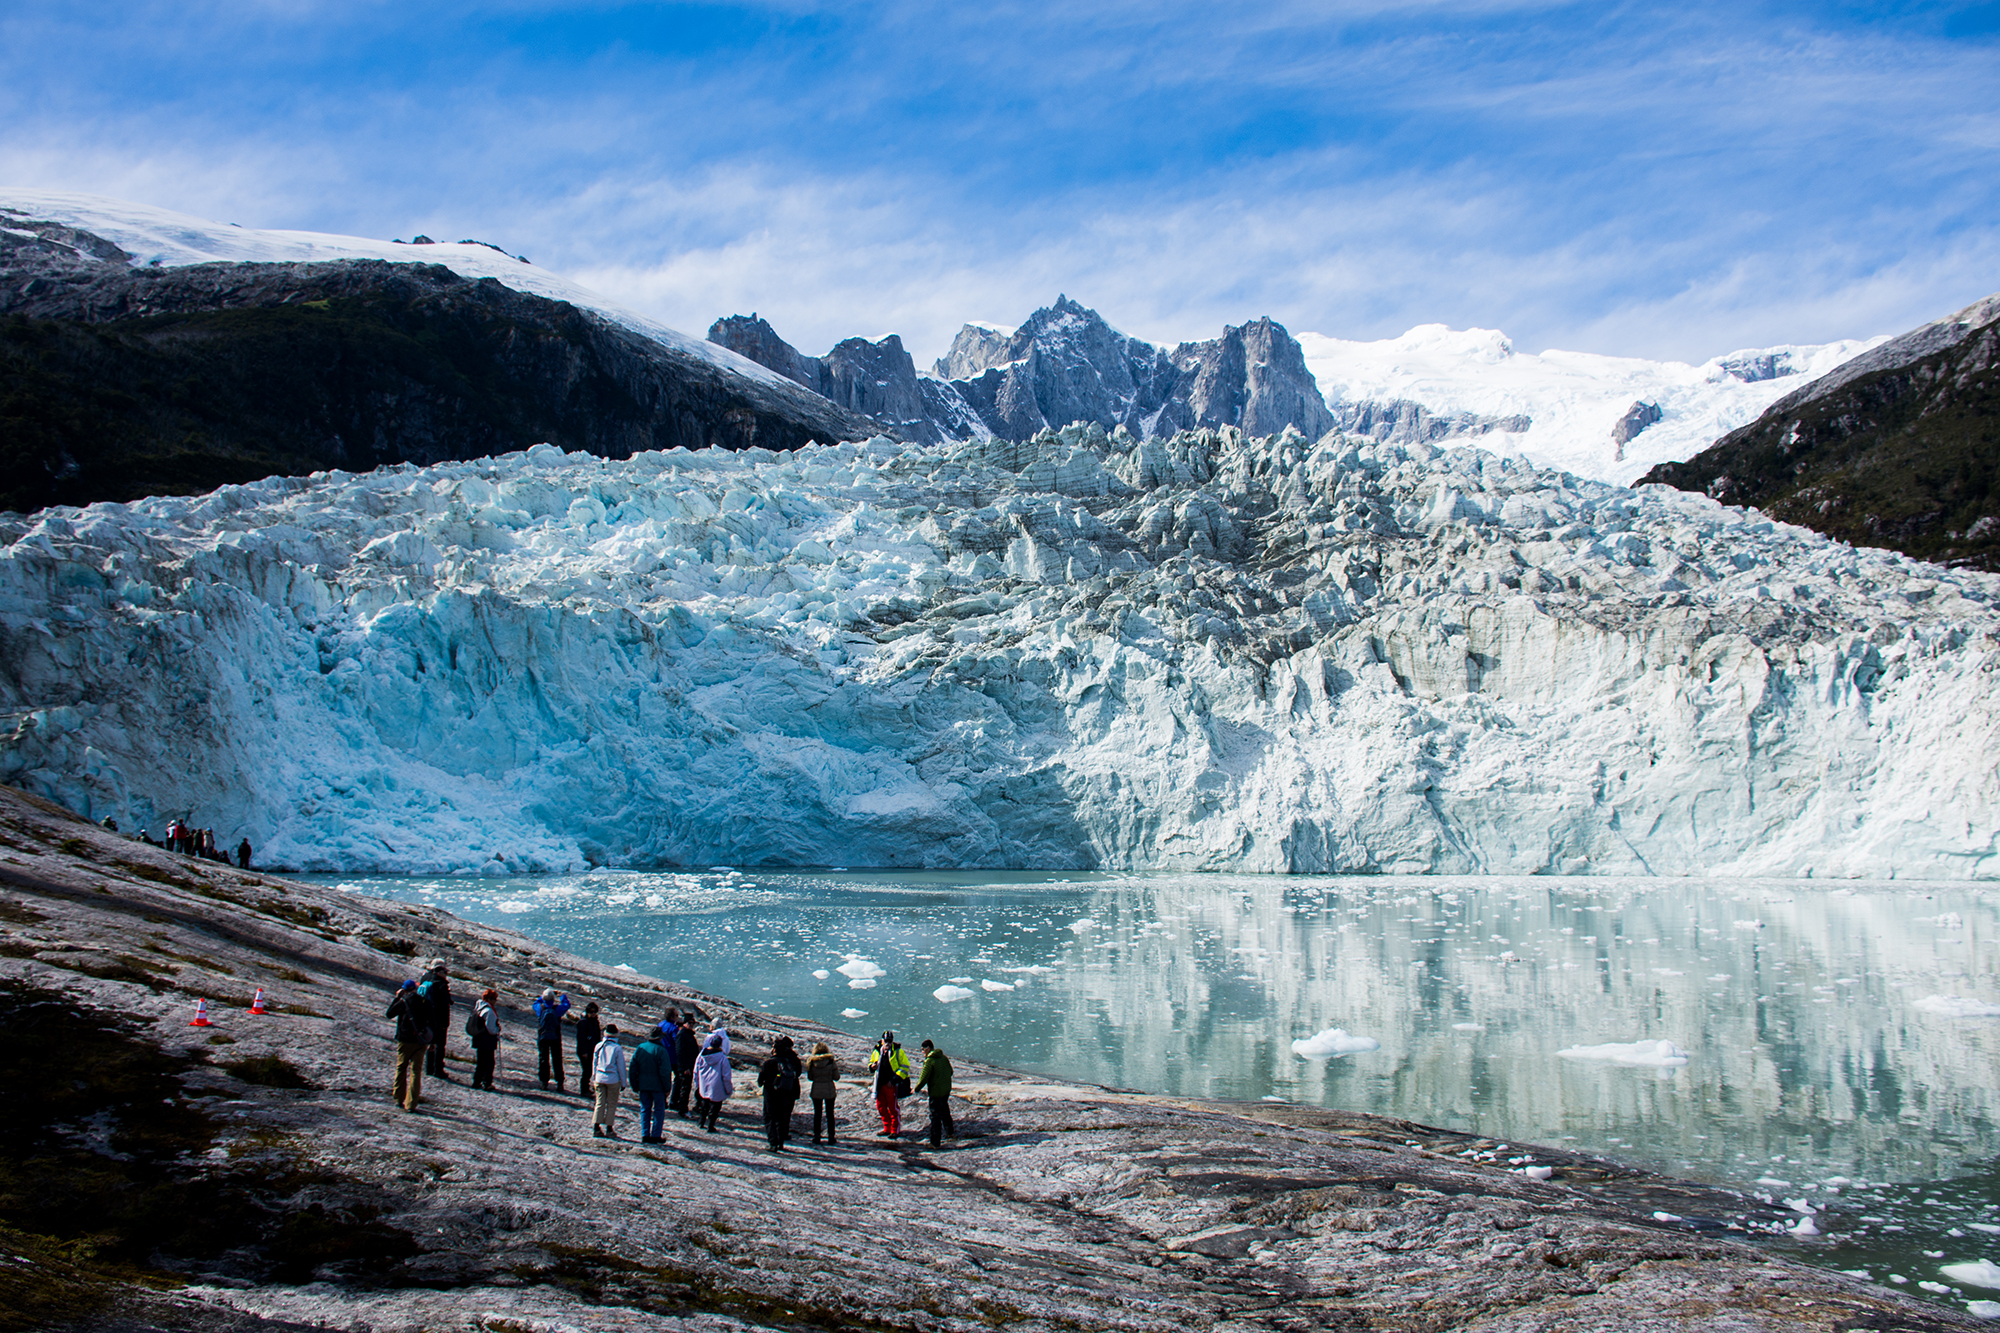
(857, 968)
(951, 994)
(1979, 1273)
(990, 985)
(854, 1013)
(1207, 652)
(1332, 1043)
(1953, 1006)
(1654, 1054)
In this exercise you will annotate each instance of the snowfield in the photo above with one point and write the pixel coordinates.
(1574, 400)
(1208, 652)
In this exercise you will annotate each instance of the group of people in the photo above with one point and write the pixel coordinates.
(673, 1062)
(189, 841)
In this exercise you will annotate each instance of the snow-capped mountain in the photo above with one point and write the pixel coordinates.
(1608, 417)
(1208, 651)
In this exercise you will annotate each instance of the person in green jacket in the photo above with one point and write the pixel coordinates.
(934, 1080)
(652, 1074)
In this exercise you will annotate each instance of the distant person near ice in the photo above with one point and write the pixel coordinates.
(483, 1028)
(549, 1010)
(712, 1082)
(934, 1080)
(435, 991)
(243, 854)
(413, 1039)
(651, 1070)
(889, 1079)
(779, 1078)
(607, 1081)
(823, 1080)
(589, 1031)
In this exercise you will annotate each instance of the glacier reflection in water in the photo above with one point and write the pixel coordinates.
(1812, 1054)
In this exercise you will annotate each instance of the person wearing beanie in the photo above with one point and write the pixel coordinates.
(435, 990)
(889, 1079)
(549, 1010)
(608, 1080)
(484, 1029)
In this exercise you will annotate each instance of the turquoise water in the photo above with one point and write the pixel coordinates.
(1825, 1060)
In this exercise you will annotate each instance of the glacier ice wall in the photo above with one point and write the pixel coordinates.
(1205, 652)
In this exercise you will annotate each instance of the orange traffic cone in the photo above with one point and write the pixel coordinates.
(257, 1004)
(201, 1015)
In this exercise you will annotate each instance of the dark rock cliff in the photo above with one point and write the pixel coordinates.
(1899, 447)
(120, 382)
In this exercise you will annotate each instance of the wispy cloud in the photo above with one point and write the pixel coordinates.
(1629, 179)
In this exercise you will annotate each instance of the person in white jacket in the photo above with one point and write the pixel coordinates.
(607, 1075)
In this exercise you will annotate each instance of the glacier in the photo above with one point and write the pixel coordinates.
(1564, 409)
(1082, 650)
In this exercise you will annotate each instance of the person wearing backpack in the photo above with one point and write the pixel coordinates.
(482, 1028)
(651, 1071)
(823, 1074)
(549, 1010)
(779, 1078)
(607, 1080)
(934, 1078)
(589, 1031)
(889, 1079)
(712, 1081)
(413, 1039)
(435, 991)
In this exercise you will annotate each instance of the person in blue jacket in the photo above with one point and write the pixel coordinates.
(651, 1074)
(549, 1010)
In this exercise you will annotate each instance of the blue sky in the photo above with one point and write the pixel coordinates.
(1656, 180)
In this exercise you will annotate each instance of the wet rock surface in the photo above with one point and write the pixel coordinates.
(253, 1174)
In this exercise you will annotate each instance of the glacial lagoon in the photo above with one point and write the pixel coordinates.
(1837, 1045)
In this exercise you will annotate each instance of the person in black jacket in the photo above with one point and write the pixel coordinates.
(779, 1078)
(413, 1039)
(589, 1031)
(435, 991)
(687, 1049)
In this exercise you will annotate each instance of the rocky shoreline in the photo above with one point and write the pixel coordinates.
(254, 1174)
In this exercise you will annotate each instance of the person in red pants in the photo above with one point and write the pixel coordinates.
(889, 1067)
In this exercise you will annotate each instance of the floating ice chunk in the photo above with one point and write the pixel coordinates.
(1667, 972)
(1983, 1309)
(625, 967)
(1468, 1027)
(1949, 1006)
(1801, 1205)
(995, 985)
(1656, 1054)
(515, 905)
(1773, 1183)
(1331, 1043)
(1804, 1227)
(862, 983)
(1980, 1273)
(1987, 1227)
(1032, 970)
(1081, 925)
(951, 994)
(854, 1013)
(821, 974)
(959, 981)
(1935, 1288)
(1749, 925)
(1538, 1172)
(858, 968)
(1267, 1097)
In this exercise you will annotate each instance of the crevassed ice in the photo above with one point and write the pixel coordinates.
(1208, 652)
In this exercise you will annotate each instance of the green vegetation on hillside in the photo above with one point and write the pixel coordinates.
(1905, 458)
